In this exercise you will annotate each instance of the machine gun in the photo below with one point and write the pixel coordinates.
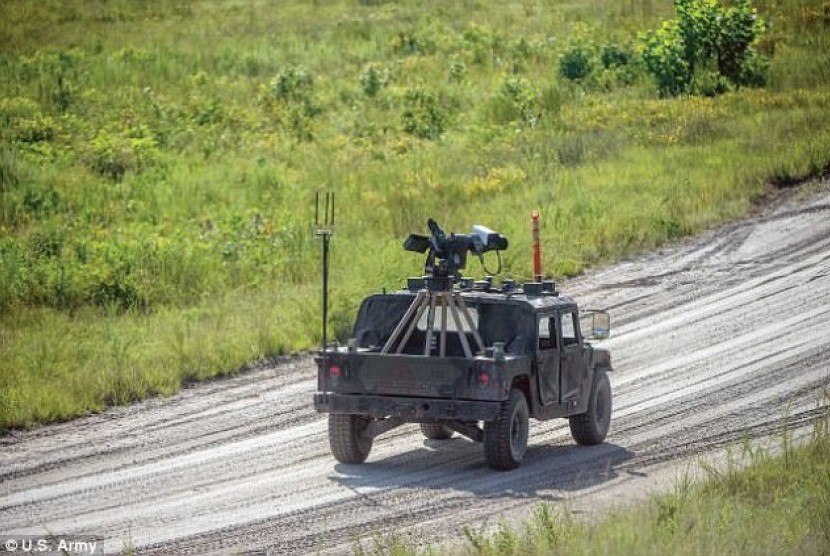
(447, 254)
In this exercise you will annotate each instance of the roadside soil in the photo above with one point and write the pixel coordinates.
(722, 338)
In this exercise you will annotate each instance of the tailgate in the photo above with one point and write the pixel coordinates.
(403, 375)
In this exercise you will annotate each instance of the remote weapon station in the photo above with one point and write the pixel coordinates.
(462, 356)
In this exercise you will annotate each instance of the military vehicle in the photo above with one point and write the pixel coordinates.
(461, 356)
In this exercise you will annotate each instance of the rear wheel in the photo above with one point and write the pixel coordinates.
(436, 431)
(348, 444)
(505, 437)
(592, 426)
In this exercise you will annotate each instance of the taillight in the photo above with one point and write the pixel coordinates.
(483, 378)
(335, 371)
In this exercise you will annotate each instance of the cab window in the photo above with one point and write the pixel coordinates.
(568, 320)
(547, 333)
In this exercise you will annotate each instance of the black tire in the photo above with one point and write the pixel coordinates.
(592, 426)
(505, 437)
(348, 445)
(436, 431)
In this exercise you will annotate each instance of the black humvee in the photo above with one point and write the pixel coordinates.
(470, 358)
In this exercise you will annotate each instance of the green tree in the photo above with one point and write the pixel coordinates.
(707, 49)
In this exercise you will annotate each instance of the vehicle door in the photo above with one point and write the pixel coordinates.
(547, 359)
(571, 366)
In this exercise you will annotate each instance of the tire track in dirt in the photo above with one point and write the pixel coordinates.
(715, 340)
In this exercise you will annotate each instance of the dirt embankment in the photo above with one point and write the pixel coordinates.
(713, 341)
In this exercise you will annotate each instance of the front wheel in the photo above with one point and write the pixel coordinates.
(346, 438)
(505, 437)
(592, 426)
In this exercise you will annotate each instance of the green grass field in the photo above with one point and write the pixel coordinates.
(158, 162)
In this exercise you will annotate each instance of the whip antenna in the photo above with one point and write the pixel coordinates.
(324, 229)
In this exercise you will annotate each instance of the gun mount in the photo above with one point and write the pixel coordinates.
(446, 257)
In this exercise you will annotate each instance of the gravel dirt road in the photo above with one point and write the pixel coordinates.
(713, 341)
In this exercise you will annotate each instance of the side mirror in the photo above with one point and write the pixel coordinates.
(598, 325)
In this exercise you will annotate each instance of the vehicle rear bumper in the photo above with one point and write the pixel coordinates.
(408, 409)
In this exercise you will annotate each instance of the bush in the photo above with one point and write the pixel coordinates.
(424, 116)
(665, 59)
(36, 129)
(575, 63)
(517, 101)
(482, 46)
(112, 156)
(615, 56)
(40, 200)
(707, 49)
(372, 81)
(117, 293)
(457, 72)
(415, 42)
(207, 111)
(292, 84)
(293, 104)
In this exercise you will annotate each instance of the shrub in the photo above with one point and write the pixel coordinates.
(36, 129)
(517, 100)
(48, 243)
(22, 120)
(295, 109)
(457, 72)
(292, 84)
(424, 116)
(482, 46)
(664, 57)
(372, 81)
(707, 49)
(117, 293)
(41, 200)
(615, 56)
(575, 63)
(112, 156)
(17, 107)
(415, 42)
(207, 111)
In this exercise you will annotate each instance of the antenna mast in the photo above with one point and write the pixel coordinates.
(324, 229)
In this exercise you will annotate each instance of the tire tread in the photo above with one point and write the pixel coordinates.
(497, 435)
(347, 446)
(583, 426)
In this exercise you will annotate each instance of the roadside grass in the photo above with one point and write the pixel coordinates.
(158, 162)
(73, 364)
(760, 501)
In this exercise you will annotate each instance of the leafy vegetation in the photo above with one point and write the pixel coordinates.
(158, 161)
(575, 63)
(707, 49)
